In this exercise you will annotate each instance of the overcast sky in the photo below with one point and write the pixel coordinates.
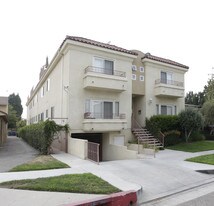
(180, 30)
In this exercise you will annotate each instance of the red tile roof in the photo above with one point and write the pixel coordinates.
(99, 44)
(167, 61)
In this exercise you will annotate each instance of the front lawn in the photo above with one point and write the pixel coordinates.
(193, 146)
(205, 159)
(75, 183)
(42, 162)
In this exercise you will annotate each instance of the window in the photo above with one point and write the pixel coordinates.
(52, 112)
(141, 78)
(103, 66)
(39, 117)
(134, 68)
(48, 85)
(141, 69)
(166, 78)
(42, 91)
(42, 116)
(117, 109)
(99, 109)
(134, 77)
(46, 113)
(166, 109)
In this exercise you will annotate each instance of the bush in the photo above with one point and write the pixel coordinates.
(172, 138)
(196, 136)
(40, 136)
(162, 123)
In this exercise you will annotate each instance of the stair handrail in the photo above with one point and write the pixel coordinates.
(136, 122)
(161, 139)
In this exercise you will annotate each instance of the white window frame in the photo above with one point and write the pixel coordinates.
(134, 76)
(134, 67)
(169, 77)
(48, 85)
(141, 78)
(89, 106)
(173, 107)
(42, 91)
(141, 69)
(103, 60)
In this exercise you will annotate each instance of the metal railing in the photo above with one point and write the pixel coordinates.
(169, 82)
(94, 115)
(104, 71)
(93, 152)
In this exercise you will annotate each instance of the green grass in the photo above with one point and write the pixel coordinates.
(42, 162)
(205, 159)
(194, 146)
(75, 183)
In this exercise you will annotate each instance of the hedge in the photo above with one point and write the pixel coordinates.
(172, 137)
(162, 123)
(41, 135)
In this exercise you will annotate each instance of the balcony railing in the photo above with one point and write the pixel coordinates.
(169, 82)
(104, 71)
(92, 115)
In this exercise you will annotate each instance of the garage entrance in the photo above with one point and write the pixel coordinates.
(93, 152)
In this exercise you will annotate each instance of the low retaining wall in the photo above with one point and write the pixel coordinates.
(118, 152)
(78, 147)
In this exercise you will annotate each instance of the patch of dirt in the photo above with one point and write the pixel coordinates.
(42, 159)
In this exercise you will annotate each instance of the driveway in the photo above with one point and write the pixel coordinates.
(164, 175)
(15, 152)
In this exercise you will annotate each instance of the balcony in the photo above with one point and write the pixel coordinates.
(105, 79)
(104, 122)
(170, 88)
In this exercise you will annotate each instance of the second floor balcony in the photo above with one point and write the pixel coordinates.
(170, 88)
(105, 79)
(105, 121)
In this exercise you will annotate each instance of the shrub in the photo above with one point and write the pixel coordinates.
(40, 136)
(172, 138)
(162, 123)
(196, 136)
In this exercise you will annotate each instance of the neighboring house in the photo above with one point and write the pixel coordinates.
(97, 88)
(3, 119)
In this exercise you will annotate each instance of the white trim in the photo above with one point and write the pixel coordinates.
(134, 76)
(141, 78)
(134, 68)
(141, 69)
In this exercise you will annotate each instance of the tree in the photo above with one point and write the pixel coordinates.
(15, 102)
(208, 112)
(12, 117)
(195, 98)
(209, 90)
(21, 123)
(190, 120)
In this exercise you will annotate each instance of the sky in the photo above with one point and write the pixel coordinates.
(180, 30)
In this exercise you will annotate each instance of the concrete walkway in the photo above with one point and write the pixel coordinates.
(164, 175)
(15, 152)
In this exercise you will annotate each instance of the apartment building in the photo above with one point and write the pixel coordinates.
(157, 87)
(100, 89)
(3, 119)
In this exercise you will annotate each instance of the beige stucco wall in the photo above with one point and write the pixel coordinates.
(56, 97)
(78, 95)
(138, 87)
(78, 147)
(147, 104)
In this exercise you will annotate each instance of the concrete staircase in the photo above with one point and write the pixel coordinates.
(144, 137)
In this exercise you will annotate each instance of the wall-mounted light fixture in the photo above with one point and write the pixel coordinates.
(150, 100)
